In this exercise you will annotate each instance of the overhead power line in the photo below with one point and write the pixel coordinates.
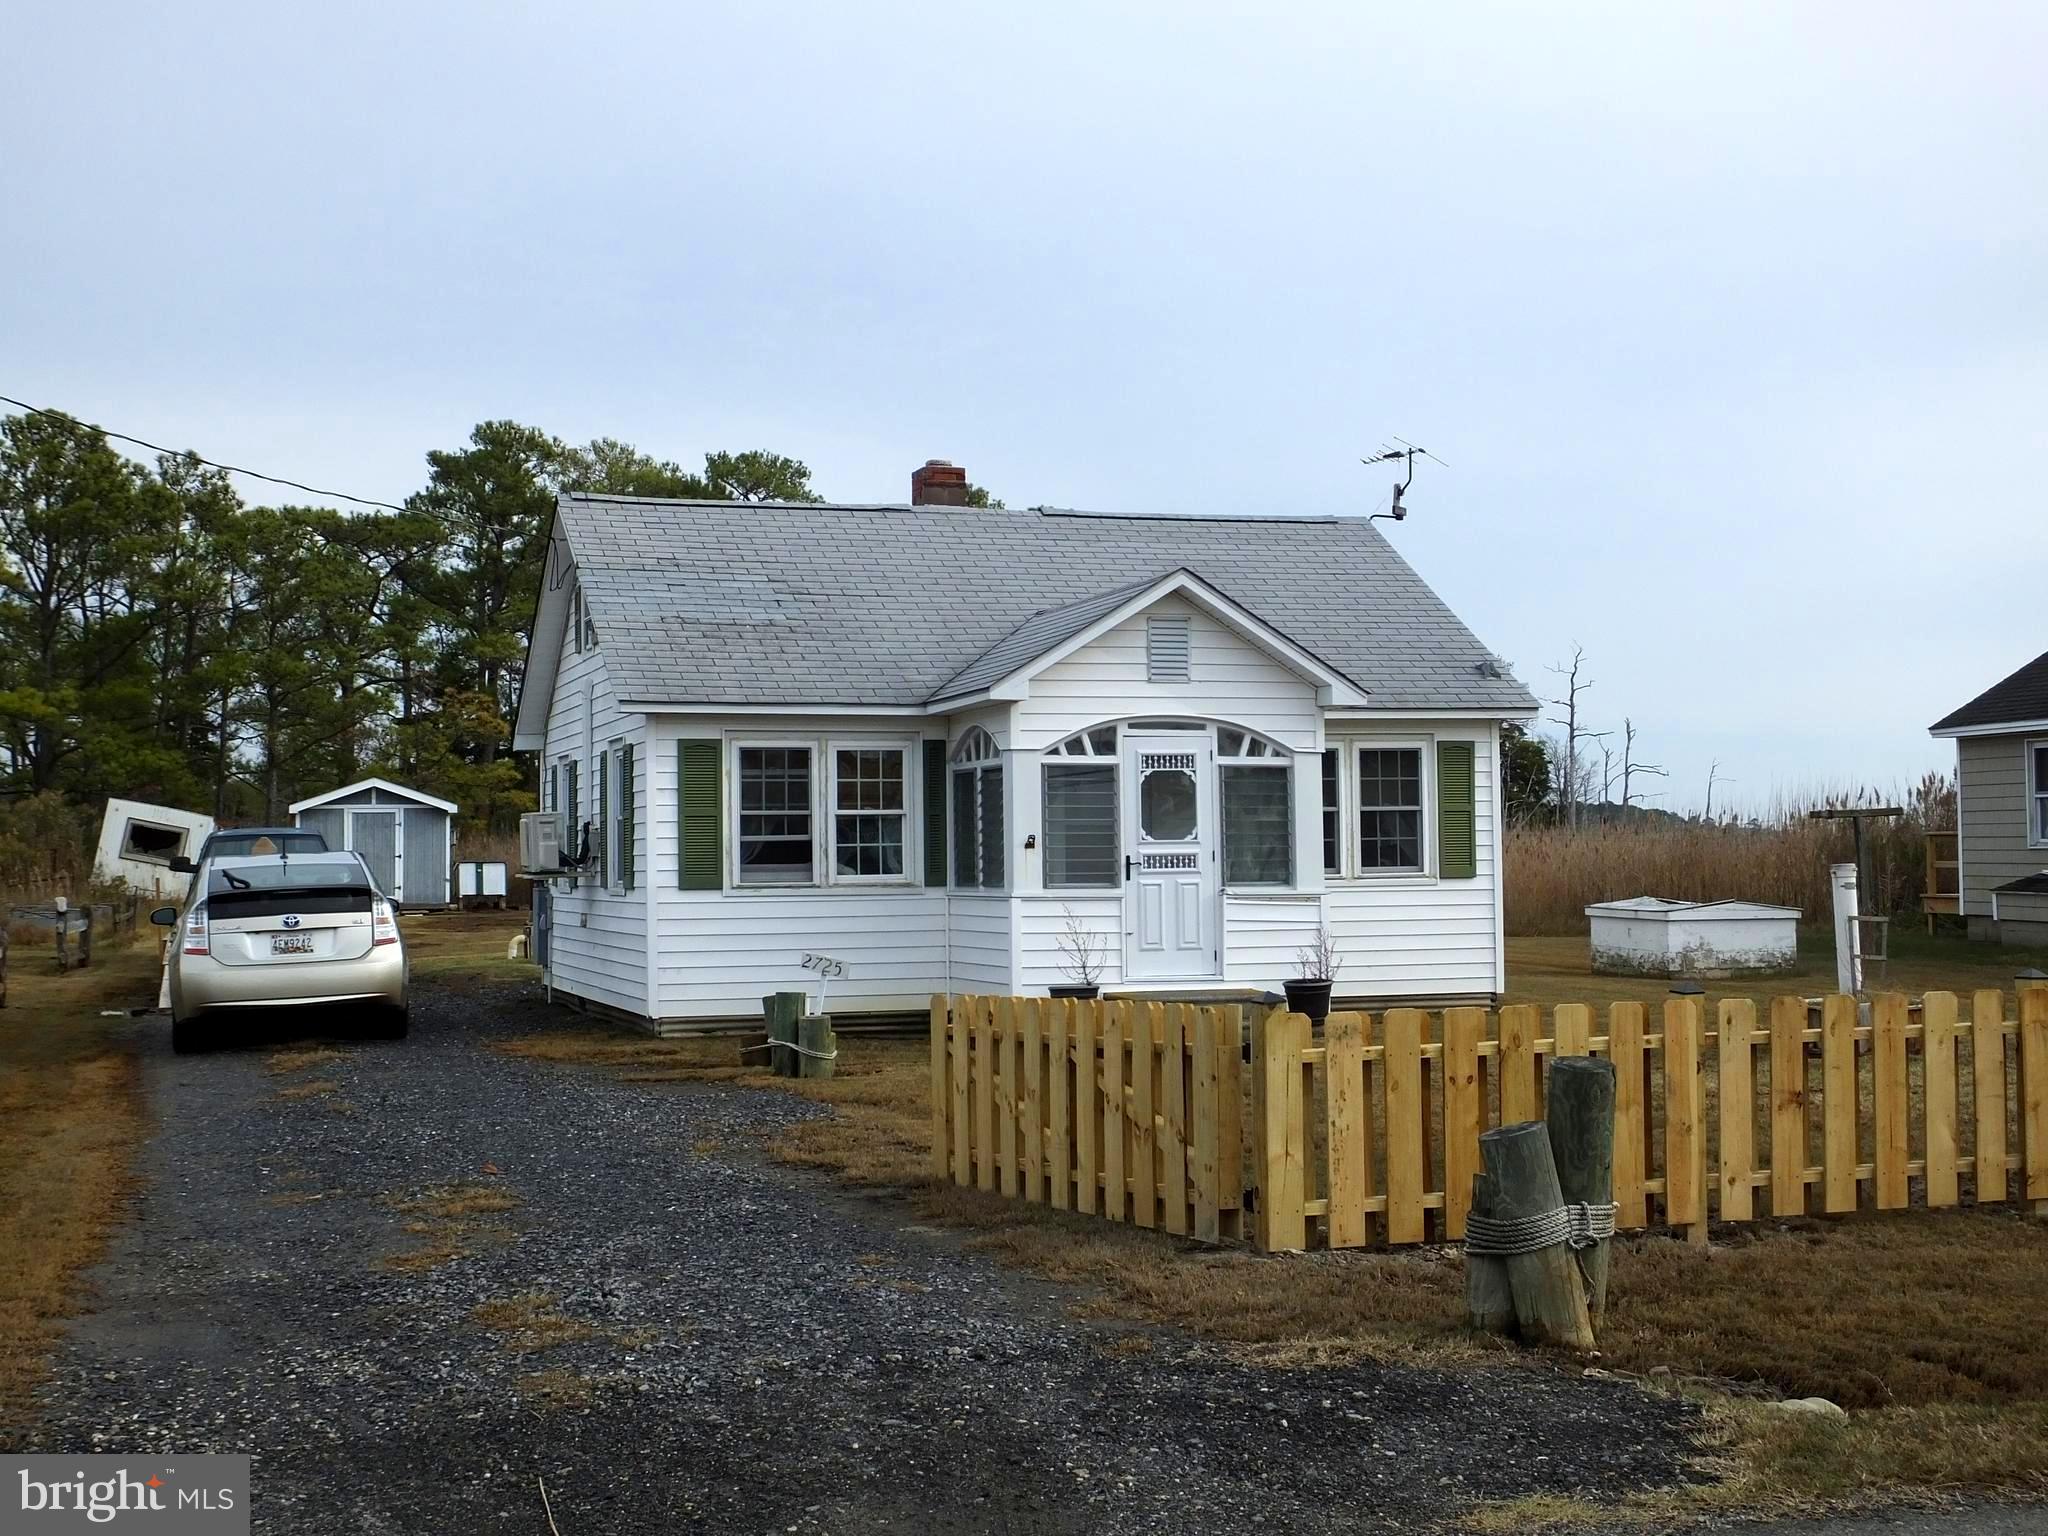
(185, 453)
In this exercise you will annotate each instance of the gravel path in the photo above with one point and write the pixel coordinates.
(763, 1352)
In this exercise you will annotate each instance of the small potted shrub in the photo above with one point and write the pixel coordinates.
(1316, 965)
(1081, 958)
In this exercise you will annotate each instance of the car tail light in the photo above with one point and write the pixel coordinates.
(383, 925)
(195, 932)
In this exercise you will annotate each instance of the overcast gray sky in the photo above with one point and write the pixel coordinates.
(1728, 319)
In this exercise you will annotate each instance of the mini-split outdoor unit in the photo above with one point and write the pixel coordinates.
(540, 843)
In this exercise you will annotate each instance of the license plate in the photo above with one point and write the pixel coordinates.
(291, 943)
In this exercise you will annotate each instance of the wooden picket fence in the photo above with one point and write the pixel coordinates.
(1373, 1133)
(1133, 1111)
(1370, 1139)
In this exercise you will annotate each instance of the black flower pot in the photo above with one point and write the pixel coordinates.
(1309, 997)
(1091, 989)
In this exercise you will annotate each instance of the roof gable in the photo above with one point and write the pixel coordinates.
(418, 797)
(705, 603)
(1004, 670)
(2018, 700)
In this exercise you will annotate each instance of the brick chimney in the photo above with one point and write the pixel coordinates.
(938, 483)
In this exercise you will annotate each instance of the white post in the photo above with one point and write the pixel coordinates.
(1848, 945)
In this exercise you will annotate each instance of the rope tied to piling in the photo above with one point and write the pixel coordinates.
(786, 1045)
(1576, 1226)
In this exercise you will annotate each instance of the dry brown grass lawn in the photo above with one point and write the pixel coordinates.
(71, 1116)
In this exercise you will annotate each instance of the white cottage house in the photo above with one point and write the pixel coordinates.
(930, 741)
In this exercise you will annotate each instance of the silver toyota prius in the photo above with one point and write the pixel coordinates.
(283, 931)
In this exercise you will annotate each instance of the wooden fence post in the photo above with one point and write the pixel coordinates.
(1987, 1069)
(1579, 1115)
(2033, 1014)
(942, 1086)
(1788, 1106)
(1550, 1302)
(1685, 1200)
(1736, 1059)
(1489, 1298)
(1938, 1059)
(784, 1009)
(1279, 1129)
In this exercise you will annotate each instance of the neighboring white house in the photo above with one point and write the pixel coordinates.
(923, 739)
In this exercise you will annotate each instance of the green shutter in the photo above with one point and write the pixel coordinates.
(935, 813)
(603, 810)
(1457, 829)
(698, 815)
(626, 816)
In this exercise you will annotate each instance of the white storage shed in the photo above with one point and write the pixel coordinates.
(406, 837)
(1652, 936)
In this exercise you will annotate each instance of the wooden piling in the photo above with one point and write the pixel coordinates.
(1579, 1114)
(783, 1009)
(1550, 1301)
(820, 1045)
(1489, 1298)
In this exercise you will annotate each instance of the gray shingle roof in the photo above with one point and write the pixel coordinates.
(2018, 699)
(769, 603)
(1037, 635)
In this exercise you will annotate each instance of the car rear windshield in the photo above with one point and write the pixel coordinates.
(242, 845)
(285, 874)
(224, 906)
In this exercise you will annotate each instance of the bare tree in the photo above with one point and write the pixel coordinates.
(1569, 781)
(1714, 776)
(1630, 767)
(1082, 950)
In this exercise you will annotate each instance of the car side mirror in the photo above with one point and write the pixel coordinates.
(165, 917)
(180, 865)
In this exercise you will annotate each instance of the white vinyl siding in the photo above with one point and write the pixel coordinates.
(1232, 680)
(1408, 934)
(598, 938)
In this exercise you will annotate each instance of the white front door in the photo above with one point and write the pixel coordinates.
(1171, 867)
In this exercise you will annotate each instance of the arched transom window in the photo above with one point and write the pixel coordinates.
(977, 811)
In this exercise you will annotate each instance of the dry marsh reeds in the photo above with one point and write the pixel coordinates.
(1780, 856)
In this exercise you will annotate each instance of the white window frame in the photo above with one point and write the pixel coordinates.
(736, 745)
(1278, 759)
(2037, 795)
(616, 832)
(908, 749)
(824, 807)
(1350, 870)
(956, 765)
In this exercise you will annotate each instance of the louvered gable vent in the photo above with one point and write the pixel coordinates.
(1166, 649)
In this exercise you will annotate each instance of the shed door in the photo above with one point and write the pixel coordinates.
(374, 835)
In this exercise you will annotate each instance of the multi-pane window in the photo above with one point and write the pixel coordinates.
(1389, 808)
(775, 834)
(1333, 812)
(2038, 751)
(1081, 841)
(1258, 809)
(978, 812)
(869, 812)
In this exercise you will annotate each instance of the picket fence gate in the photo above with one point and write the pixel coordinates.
(1373, 1134)
(1128, 1110)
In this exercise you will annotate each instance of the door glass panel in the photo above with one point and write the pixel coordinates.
(1167, 805)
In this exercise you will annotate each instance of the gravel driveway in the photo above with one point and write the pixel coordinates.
(758, 1350)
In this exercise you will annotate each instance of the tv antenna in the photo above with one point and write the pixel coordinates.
(1405, 453)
